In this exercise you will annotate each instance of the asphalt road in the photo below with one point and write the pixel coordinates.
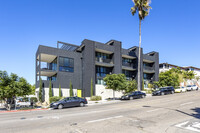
(177, 113)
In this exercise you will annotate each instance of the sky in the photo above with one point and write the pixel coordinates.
(172, 29)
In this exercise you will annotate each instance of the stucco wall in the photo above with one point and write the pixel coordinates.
(106, 93)
(65, 93)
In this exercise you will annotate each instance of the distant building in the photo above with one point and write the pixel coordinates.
(166, 66)
(91, 61)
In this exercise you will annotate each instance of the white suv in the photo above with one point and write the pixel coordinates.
(192, 87)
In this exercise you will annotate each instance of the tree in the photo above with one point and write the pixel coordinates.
(12, 86)
(33, 89)
(115, 82)
(91, 89)
(71, 89)
(50, 90)
(40, 91)
(130, 86)
(168, 78)
(142, 7)
(142, 84)
(60, 91)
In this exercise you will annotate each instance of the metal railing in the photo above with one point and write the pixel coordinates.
(103, 60)
(148, 68)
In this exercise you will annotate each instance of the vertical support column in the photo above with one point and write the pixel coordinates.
(39, 66)
(117, 57)
(88, 67)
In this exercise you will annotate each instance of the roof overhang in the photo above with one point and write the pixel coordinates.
(103, 51)
(148, 61)
(128, 56)
(46, 57)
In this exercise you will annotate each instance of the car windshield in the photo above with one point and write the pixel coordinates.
(189, 86)
(160, 89)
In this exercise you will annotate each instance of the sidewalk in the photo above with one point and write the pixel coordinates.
(3, 110)
(102, 102)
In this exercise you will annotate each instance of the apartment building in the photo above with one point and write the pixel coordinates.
(91, 61)
(163, 67)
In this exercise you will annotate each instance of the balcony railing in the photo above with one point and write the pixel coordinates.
(103, 60)
(128, 65)
(148, 68)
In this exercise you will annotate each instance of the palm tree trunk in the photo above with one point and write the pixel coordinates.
(139, 58)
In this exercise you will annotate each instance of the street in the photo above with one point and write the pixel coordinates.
(177, 113)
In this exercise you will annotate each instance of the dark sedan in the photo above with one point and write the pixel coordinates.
(69, 102)
(164, 91)
(133, 95)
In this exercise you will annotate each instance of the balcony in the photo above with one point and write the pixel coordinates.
(104, 62)
(148, 69)
(128, 66)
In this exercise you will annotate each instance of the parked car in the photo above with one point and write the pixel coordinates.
(23, 102)
(69, 102)
(164, 91)
(189, 87)
(133, 95)
(180, 89)
(194, 87)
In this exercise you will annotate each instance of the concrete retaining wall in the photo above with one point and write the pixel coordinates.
(106, 93)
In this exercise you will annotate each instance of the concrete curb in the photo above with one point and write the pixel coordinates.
(90, 103)
(22, 110)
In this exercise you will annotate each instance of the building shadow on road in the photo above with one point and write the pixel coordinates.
(195, 114)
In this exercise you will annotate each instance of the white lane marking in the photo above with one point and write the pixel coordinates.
(192, 129)
(169, 100)
(153, 110)
(105, 119)
(186, 103)
(189, 125)
(181, 124)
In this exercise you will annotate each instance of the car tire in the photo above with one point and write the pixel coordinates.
(197, 89)
(172, 92)
(162, 93)
(181, 91)
(130, 98)
(143, 96)
(81, 104)
(60, 106)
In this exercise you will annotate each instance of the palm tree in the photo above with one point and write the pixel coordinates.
(142, 7)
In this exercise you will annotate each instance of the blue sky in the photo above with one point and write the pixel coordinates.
(172, 29)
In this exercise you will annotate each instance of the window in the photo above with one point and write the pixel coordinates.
(66, 64)
(129, 74)
(101, 72)
(125, 60)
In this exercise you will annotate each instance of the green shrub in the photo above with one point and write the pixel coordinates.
(95, 98)
(34, 99)
(25, 99)
(149, 91)
(54, 99)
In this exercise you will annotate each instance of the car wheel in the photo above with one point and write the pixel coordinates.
(82, 104)
(60, 106)
(197, 88)
(131, 98)
(162, 93)
(172, 92)
(143, 96)
(181, 91)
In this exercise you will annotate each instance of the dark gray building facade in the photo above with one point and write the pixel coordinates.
(92, 61)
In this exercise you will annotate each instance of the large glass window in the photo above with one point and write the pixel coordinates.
(129, 74)
(102, 57)
(66, 64)
(101, 72)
